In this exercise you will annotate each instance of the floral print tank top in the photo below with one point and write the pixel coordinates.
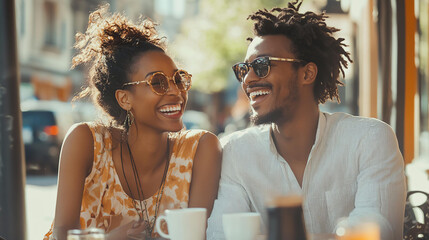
(105, 204)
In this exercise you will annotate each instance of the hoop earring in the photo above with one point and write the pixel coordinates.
(129, 120)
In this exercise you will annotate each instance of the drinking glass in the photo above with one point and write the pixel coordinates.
(286, 218)
(86, 234)
(348, 230)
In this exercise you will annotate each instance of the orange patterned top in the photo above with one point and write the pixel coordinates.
(106, 205)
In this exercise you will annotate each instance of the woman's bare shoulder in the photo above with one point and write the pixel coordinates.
(78, 147)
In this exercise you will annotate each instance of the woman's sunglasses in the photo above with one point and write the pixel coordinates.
(261, 66)
(159, 82)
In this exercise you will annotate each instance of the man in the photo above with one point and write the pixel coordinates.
(342, 165)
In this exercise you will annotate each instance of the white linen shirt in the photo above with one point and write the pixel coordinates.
(354, 169)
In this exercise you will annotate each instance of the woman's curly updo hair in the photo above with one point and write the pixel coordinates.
(312, 41)
(109, 46)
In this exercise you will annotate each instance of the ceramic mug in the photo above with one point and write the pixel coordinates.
(241, 226)
(183, 224)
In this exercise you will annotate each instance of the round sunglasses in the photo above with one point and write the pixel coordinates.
(159, 82)
(261, 66)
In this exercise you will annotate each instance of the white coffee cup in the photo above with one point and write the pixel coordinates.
(183, 224)
(241, 226)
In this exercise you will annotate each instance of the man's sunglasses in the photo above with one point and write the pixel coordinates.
(261, 66)
(159, 82)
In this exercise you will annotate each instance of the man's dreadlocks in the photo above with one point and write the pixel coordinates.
(312, 41)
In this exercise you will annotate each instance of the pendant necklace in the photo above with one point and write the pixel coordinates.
(144, 213)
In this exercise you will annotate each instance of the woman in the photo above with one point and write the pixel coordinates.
(129, 171)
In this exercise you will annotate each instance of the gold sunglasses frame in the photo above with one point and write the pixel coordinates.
(149, 79)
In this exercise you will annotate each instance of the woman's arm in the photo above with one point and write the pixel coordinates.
(75, 165)
(206, 173)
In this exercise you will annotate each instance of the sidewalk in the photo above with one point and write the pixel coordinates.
(40, 193)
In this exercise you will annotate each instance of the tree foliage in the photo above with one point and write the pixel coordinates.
(215, 39)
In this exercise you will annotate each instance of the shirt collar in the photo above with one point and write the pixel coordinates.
(321, 124)
(320, 130)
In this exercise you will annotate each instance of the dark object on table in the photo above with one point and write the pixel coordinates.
(414, 230)
(286, 219)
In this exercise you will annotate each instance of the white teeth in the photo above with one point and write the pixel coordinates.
(259, 93)
(170, 108)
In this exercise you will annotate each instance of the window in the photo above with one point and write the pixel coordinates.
(51, 34)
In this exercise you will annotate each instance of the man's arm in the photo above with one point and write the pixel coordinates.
(232, 197)
(381, 186)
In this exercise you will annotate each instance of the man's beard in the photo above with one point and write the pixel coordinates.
(270, 117)
(280, 114)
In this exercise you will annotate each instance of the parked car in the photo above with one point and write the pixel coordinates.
(45, 124)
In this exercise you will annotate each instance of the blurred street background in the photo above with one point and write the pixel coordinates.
(206, 37)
